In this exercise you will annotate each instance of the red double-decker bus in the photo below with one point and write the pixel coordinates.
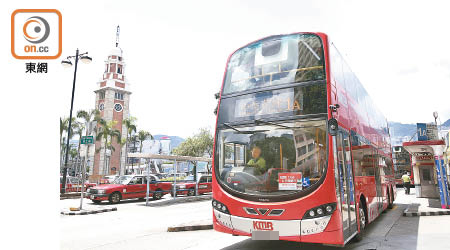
(301, 153)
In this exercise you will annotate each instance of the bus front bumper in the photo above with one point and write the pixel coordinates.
(292, 230)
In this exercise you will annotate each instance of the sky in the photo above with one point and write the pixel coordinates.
(176, 51)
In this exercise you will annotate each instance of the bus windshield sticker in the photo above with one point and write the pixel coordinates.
(290, 181)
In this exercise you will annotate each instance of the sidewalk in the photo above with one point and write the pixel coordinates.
(421, 206)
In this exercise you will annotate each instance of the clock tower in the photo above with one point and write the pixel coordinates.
(112, 98)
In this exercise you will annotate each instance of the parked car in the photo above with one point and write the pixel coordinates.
(204, 185)
(128, 187)
(73, 184)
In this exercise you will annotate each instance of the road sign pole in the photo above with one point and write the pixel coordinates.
(175, 181)
(148, 184)
(83, 174)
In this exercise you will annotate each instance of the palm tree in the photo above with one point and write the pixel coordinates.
(63, 127)
(89, 117)
(73, 154)
(131, 128)
(107, 132)
(133, 139)
(142, 136)
(123, 142)
(80, 128)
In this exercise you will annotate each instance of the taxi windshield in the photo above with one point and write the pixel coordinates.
(124, 180)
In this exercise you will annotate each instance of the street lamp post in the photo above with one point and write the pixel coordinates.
(67, 63)
(435, 115)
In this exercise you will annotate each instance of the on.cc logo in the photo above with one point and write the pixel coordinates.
(36, 29)
(36, 34)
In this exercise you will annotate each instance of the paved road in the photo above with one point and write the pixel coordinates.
(135, 226)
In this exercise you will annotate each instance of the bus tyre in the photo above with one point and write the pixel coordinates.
(191, 192)
(390, 205)
(114, 198)
(362, 224)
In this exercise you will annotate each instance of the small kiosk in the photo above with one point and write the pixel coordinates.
(430, 178)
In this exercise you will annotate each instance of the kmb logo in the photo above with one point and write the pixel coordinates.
(36, 34)
(263, 225)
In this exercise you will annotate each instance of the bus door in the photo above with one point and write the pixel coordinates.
(346, 183)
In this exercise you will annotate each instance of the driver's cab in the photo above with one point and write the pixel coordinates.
(285, 157)
(255, 165)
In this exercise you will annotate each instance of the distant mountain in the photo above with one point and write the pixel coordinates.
(403, 132)
(446, 123)
(174, 140)
(399, 129)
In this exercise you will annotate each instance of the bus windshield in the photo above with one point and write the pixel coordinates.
(272, 159)
(275, 60)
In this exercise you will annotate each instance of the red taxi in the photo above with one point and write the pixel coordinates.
(188, 186)
(128, 187)
(73, 184)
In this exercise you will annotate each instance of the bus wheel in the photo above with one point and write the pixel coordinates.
(391, 205)
(362, 223)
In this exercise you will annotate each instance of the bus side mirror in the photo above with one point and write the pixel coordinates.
(332, 127)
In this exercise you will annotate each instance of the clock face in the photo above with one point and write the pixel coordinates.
(118, 107)
(101, 106)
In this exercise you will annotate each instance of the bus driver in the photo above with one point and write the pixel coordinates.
(257, 162)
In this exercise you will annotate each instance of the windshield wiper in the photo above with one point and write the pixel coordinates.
(271, 123)
(233, 128)
(310, 49)
(243, 132)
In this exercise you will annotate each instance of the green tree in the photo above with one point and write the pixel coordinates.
(88, 117)
(130, 124)
(142, 136)
(79, 131)
(73, 152)
(123, 142)
(107, 133)
(63, 129)
(133, 139)
(198, 145)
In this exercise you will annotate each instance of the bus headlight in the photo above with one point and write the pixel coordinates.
(220, 207)
(320, 211)
(88, 190)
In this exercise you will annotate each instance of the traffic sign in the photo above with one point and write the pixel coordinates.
(427, 132)
(87, 139)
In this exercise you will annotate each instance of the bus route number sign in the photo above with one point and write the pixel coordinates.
(290, 181)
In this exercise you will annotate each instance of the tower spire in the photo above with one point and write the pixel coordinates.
(117, 36)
